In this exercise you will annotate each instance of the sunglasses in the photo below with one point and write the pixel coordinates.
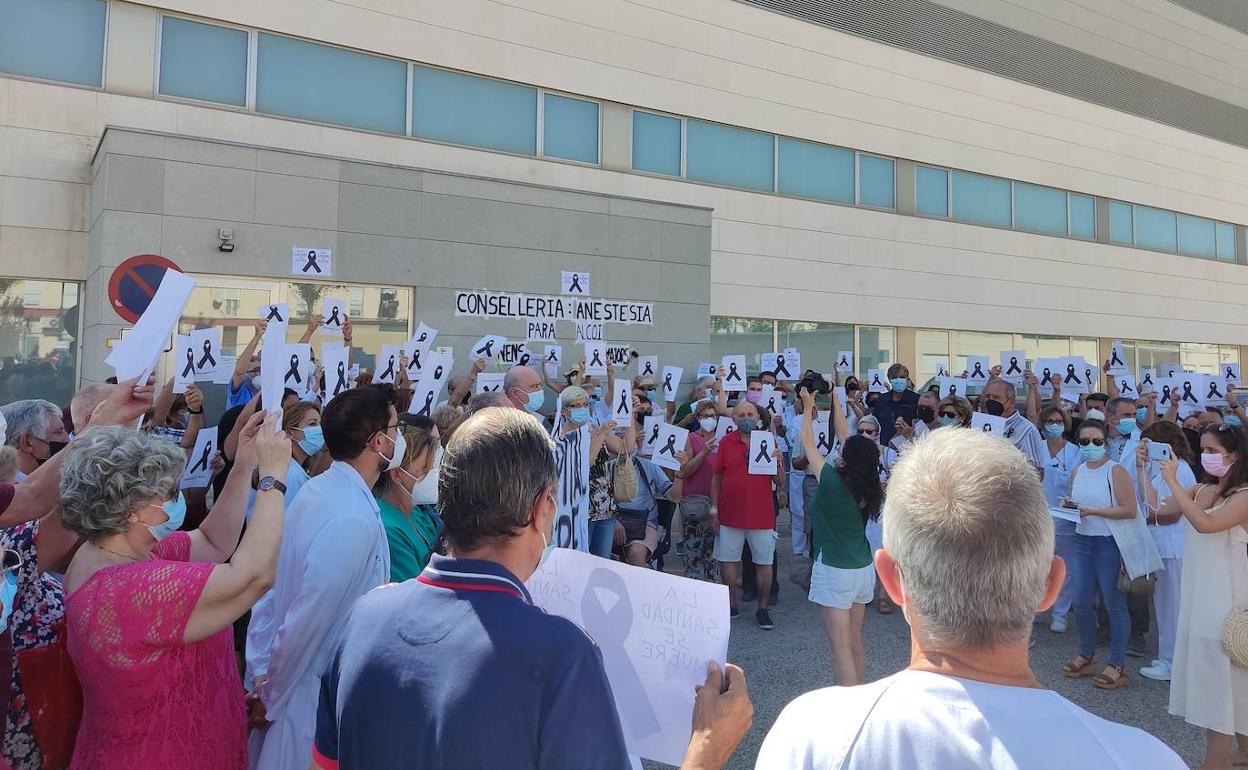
(866, 432)
(1096, 441)
(952, 415)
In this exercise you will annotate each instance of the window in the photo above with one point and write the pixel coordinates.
(931, 348)
(479, 112)
(569, 128)
(380, 315)
(1196, 237)
(812, 170)
(931, 191)
(1040, 209)
(726, 155)
(1120, 227)
(203, 61)
(875, 181)
(54, 39)
(750, 337)
(656, 143)
(38, 333)
(306, 80)
(1155, 229)
(1226, 241)
(818, 342)
(877, 348)
(1082, 216)
(982, 200)
(963, 344)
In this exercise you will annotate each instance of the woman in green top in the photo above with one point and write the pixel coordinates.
(412, 530)
(842, 580)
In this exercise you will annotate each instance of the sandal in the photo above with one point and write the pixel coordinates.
(1075, 669)
(1105, 682)
(884, 606)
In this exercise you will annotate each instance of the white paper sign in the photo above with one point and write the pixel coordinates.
(650, 434)
(333, 315)
(725, 426)
(1072, 370)
(942, 368)
(1147, 380)
(845, 362)
(337, 373)
(1168, 392)
(295, 366)
(183, 363)
(771, 399)
(823, 435)
(1170, 371)
(619, 355)
(488, 347)
(1013, 366)
(657, 633)
(515, 354)
(952, 386)
(386, 367)
(551, 359)
(539, 331)
(572, 502)
(1117, 359)
(275, 315)
(734, 372)
(987, 423)
(671, 381)
(787, 366)
(206, 344)
(1230, 373)
(314, 263)
(273, 364)
(622, 403)
(1214, 389)
(977, 369)
(428, 390)
(1066, 514)
(489, 382)
(225, 370)
(588, 332)
(1127, 387)
(596, 359)
(199, 467)
(136, 353)
(648, 367)
(762, 453)
(877, 381)
(1045, 368)
(574, 283)
(671, 439)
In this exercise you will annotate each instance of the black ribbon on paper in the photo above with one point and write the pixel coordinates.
(622, 407)
(649, 370)
(575, 286)
(670, 447)
(875, 379)
(389, 372)
(293, 371)
(341, 384)
(1070, 374)
(1126, 387)
(202, 463)
(1188, 395)
(732, 372)
(312, 265)
(597, 359)
(979, 372)
(207, 358)
(762, 456)
(428, 407)
(1014, 366)
(1213, 391)
(667, 383)
(1114, 360)
(275, 315)
(333, 319)
(487, 349)
(780, 367)
(823, 442)
(189, 369)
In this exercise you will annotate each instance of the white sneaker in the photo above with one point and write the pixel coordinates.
(1159, 671)
(1058, 626)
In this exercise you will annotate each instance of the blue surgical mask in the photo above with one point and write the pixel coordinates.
(1126, 426)
(949, 422)
(746, 426)
(536, 399)
(580, 415)
(8, 592)
(598, 391)
(1141, 415)
(176, 511)
(1233, 421)
(1091, 453)
(313, 439)
(899, 384)
(1054, 429)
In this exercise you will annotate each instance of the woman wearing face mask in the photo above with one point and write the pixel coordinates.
(953, 411)
(1061, 461)
(574, 406)
(1100, 489)
(149, 608)
(842, 580)
(301, 420)
(411, 528)
(698, 543)
(1206, 689)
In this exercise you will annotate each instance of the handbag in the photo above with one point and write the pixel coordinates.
(624, 479)
(53, 696)
(1235, 637)
(696, 507)
(1142, 585)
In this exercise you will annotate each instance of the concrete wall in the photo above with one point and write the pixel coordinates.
(396, 226)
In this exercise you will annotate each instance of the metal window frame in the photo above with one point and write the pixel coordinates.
(680, 119)
(1135, 237)
(249, 88)
(953, 214)
(541, 127)
(1070, 216)
(948, 192)
(858, 180)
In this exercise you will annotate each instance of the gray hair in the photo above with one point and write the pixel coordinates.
(108, 471)
(967, 522)
(869, 419)
(511, 379)
(28, 417)
(486, 400)
(493, 470)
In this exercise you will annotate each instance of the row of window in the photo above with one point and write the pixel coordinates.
(64, 40)
(818, 342)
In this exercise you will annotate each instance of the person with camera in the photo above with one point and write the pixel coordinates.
(900, 403)
(925, 419)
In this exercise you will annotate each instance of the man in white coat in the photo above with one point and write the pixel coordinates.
(334, 550)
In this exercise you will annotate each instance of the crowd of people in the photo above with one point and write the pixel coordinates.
(348, 588)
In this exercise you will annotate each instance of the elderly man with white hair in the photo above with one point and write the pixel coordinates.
(35, 430)
(968, 556)
(523, 387)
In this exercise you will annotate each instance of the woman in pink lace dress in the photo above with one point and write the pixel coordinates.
(149, 608)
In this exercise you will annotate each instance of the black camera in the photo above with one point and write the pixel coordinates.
(815, 383)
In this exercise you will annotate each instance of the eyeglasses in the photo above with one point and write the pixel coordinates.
(1055, 422)
(866, 432)
(1096, 441)
(951, 415)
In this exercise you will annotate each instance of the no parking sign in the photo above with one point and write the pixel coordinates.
(134, 283)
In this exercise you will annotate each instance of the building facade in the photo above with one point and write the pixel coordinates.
(917, 181)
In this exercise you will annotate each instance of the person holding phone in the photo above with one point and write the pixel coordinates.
(1160, 442)
(1062, 458)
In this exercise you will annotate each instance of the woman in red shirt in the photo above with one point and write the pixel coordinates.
(748, 510)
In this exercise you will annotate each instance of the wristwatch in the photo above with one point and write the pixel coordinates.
(266, 483)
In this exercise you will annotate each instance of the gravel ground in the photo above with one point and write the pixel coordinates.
(794, 658)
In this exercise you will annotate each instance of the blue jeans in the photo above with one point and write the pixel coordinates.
(602, 537)
(1096, 565)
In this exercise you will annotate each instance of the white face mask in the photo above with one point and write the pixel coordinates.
(708, 423)
(400, 448)
(426, 490)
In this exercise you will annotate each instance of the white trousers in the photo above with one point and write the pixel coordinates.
(1166, 599)
(797, 512)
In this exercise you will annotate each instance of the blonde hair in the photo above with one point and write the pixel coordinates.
(960, 405)
(969, 527)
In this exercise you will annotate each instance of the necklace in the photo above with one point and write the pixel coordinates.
(115, 553)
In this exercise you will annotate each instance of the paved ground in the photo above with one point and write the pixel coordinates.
(795, 658)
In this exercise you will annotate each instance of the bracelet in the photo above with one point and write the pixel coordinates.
(192, 411)
(346, 339)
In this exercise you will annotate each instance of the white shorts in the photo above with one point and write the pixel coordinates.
(841, 588)
(730, 543)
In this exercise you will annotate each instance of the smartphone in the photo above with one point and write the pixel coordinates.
(1159, 452)
(1071, 504)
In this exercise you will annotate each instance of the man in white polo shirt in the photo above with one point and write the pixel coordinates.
(968, 556)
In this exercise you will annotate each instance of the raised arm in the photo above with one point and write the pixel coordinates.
(244, 359)
(840, 423)
(814, 460)
(229, 447)
(194, 417)
(1232, 513)
(462, 393)
(1033, 398)
(314, 322)
(161, 405)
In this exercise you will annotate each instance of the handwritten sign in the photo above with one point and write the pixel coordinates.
(314, 263)
(588, 332)
(488, 304)
(657, 633)
(572, 502)
(573, 282)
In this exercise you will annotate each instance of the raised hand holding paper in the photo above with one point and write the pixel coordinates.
(1013, 366)
(762, 453)
(671, 439)
(198, 470)
(670, 382)
(977, 369)
(138, 350)
(845, 362)
(596, 359)
(386, 367)
(207, 346)
(333, 316)
(877, 381)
